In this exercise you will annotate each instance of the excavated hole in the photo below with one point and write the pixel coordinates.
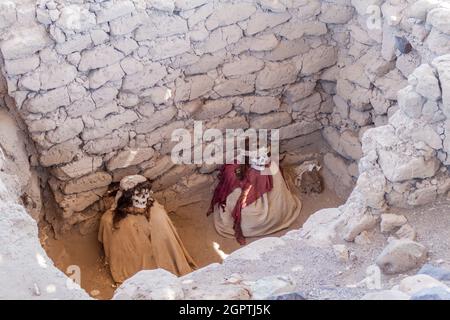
(73, 248)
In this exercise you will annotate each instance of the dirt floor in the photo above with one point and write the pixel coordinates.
(195, 228)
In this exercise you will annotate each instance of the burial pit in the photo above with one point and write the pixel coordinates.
(91, 91)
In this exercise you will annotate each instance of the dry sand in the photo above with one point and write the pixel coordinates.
(195, 228)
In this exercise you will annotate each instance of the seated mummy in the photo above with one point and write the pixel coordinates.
(252, 199)
(137, 234)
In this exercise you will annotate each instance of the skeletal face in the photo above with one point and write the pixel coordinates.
(259, 159)
(141, 197)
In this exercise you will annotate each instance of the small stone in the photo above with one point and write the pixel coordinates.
(128, 158)
(156, 284)
(401, 255)
(414, 284)
(363, 238)
(406, 232)
(391, 221)
(341, 252)
(438, 273)
(435, 293)
(270, 286)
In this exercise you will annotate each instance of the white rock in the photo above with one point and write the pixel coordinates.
(287, 49)
(193, 87)
(156, 284)
(308, 105)
(335, 13)
(80, 201)
(295, 29)
(297, 91)
(276, 75)
(320, 229)
(318, 59)
(169, 47)
(236, 86)
(420, 8)
(229, 13)
(414, 284)
(75, 18)
(99, 37)
(260, 105)
(401, 255)
(270, 286)
(129, 158)
(438, 42)
(24, 42)
(126, 24)
(361, 118)
(271, 121)
(131, 66)
(341, 252)
(425, 81)
(391, 221)
(76, 43)
(115, 10)
(406, 232)
(242, 66)
(213, 108)
(99, 57)
(49, 101)
(67, 130)
(22, 253)
(8, 13)
(298, 129)
(399, 167)
(206, 63)
(159, 25)
(159, 167)
(99, 77)
(438, 18)
(372, 184)
(219, 39)
(147, 78)
(156, 120)
(442, 64)
(90, 182)
(163, 5)
(218, 292)
(272, 5)
(78, 168)
(107, 144)
(107, 125)
(60, 153)
(261, 21)
(21, 66)
(189, 4)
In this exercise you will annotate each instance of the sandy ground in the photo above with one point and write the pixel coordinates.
(195, 228)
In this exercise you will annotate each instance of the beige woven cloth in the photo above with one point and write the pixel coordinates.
(274, 211)
(140, 244)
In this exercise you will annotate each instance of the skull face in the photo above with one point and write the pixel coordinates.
(259, 159)
(141, 197)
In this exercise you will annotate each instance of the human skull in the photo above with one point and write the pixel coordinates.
(259, 159)
(141, 197)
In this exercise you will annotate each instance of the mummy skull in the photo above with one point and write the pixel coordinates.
(141, 198)
(259, 159)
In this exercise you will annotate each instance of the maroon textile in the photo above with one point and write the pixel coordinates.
(253, 186)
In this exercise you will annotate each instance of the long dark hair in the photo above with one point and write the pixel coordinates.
(125, 202)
